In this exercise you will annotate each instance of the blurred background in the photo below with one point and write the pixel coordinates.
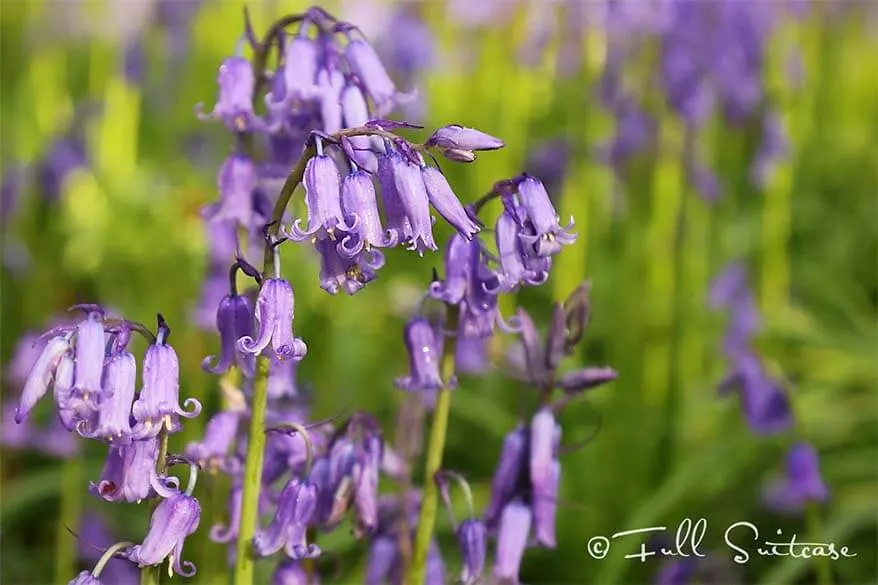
(684, 137)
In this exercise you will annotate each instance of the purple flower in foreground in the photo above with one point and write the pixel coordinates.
(120, 379)
(471, 536)
(425, 360)
(296, 508)
(174, 519)
(323, 199)
(512, 539)
(394, 211)
(158, 406)
(90, 341)
(549, 236)
(412, 193)
(41, 375)
(516, 266)
(234, 320)
(130, 473)
(274, 315)
(458, 255)
(802, 483)
(445, 202)
(361, 207)
(508, 475)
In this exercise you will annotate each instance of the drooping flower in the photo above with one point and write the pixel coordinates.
(458, 256)
(549, 236)
(461, 138)
(512, 536)
(425, 360)
(236, 182)
(471, 536)
(412, 193)
(584, 379)
(234, 320)
(234, 105)
(174, 519)
(516, 266)
(366, 65)
(299, 73)
(445, 202)
(323, 200)
(545, 437)
(765, 404)
(394, 211)
(274, 315)
(508, 475)
(129, 473)
(361, 207)
(89, 361)
(545, 506)
(296, 506)
(802, 483)
(120, 379)
(41, 375)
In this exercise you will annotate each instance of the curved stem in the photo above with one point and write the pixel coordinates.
(462, 482)
(108, 554)
(252, 475)
(193, 479)
(435, 448)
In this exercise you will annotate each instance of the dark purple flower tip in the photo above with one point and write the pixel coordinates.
(548, 236)
(508, 475)
(445, 202)
(471, 537)
(585, 379)
(425, 358)
(173, 520)
(275, 311)
(41, 375)
(545, 506)
(512, 537)
(114, 416)
(234, 320)
(460, 138)
(545, 438)
(802, 483)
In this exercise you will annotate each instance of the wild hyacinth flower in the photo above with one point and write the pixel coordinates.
(301, 57)
(360, 205)
(235, 103)
(471, 536)
(296, 506)
(274, 315)
(120, 378)
(338, 272)
(236, 182)
(545, 506)
(459, 138)
(234, 320)
(458, 258)
(412, 193)
(366, 65)
(394, 211)
(42, 373)
(802, 484)
(516, 267)
(425, 360)
(290, 572)
(512, 536)
(212, 452)
(174, 519)
(323, 200)
(508, 475)
(445, 202)
(89, 351)
(129, 473)
(158, 406)
(549, 236)
(765, 404)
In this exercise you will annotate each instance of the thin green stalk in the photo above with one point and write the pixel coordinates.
(252, 475)
(435, 448)
(152, 575)
(71, 511)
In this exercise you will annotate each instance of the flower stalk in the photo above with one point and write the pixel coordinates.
(151, 575)
(435, 448)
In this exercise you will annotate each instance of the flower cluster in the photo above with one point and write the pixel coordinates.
(94, 381)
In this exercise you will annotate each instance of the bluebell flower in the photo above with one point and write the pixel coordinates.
(296, 508)
(508, 475)
(364, 62)
(512, 537)
(425, 360)
(549, 236)
(173, 520)
(236, 181)
(42, 374)
(158, 406)
(274, 315)
(212, 452)
(323, 199)
(120, 379)
(471, 537)
(129, 473)
(802, 483)
(445, 202)
(234, 320)
(234, 105)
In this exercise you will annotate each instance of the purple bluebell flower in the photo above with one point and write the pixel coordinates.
(471, 536)
(676, 572)
(383, 556)
(508, 475)
(355, 113)
(774, 145)
(120, 379)
(236, 182)
(802, 483)
(366, 65)
(330, 83)
(301, 58)
(394, 211)
(41, 375)
(234, 105)
(545, 437)
(512, 537)
(445, 202)
(296, 507)
(12, 434)
(545, 506)
(89, 352)
(412, 193)
(549, 236)
(577, 381)
(366, 484)
(274, 315)
(480, 311)
(212, 452)
(765, 404)
(460, 138)
(728, 286)
(323, 200)
(361, 207)
(129, 473)
(85, 578)
(69, 412)
(158, 406)
(234, 320)
(174, 519)
(458, 257)
(516, 267)
(425, 360)
(64, 156)
(351, 274)
(290, 572)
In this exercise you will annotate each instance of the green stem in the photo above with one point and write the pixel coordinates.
(152, 575)
(71, 511)
(252, 475)
(435, 449)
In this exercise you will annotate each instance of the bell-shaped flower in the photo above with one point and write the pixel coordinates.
(516, 267)
(274, 316)
(41, 375)
(584, 379)
(549, 236)
(355, 112)
(458, 255)
(545, 438)
(545, 506)
(301, 60)
(364, 62)
(212, 452)
(89, 359)
(446, 203)
(129, 473)
(296, 507)
(234, 320)
(413, 195)
(458, 137)
(765, 404)
(158, 406)
(512, 537)
(471, 536)
(114, 416)
(236, 181)
(361, 210)
(323, 200)
(330, 83)
(508, 477)
(85, 578)
(174, 519)
(234, 106)
(366, 484)
(340, 272)
(382, 559)
(425, 359)
(802, 483)
(394, 211)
